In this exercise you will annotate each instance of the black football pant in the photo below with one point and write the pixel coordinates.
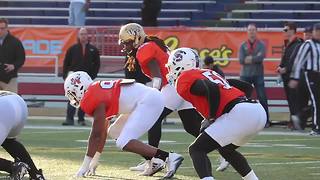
(313, 83)
(204, 144)
(190, 118)
(19, 152)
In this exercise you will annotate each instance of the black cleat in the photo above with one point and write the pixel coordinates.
(19, 170)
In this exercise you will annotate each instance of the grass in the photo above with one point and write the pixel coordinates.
(274, 157)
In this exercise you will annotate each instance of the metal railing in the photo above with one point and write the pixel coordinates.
(56, 66)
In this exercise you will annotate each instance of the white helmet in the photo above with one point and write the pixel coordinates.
(133, 34)
(181, 59)
(75, 86)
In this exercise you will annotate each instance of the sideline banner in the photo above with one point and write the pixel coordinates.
(222, 44)
(42, 41)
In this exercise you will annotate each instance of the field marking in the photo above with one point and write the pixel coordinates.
(54, 132)
(315, 167)
(314, 174)
(272, 163)
(52, 127)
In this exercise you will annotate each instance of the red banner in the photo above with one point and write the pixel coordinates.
(222, 44)
(44, 45)
(218, 44)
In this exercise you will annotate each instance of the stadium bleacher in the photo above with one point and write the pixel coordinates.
(104, 13)
(227, 13)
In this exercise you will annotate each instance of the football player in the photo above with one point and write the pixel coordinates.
(14, 113)
(106, 99)
(231, 118)
(152, 55)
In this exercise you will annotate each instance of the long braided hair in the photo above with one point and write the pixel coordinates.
(131, 58)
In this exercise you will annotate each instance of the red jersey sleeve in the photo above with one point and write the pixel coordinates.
(146, 52)
(183, 85)
(89, 101)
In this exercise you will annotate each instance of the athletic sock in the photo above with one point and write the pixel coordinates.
(161, 155)
(250, 176)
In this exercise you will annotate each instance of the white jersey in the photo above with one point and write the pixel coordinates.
(14, 113)
(173, 100)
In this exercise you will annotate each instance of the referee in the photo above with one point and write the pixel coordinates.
(308, 60)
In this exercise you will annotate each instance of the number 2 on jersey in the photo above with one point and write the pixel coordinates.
(216, 78)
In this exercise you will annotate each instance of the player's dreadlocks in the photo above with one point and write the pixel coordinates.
(131, 61)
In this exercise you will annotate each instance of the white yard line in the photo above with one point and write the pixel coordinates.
(273, 163)
(56, 127)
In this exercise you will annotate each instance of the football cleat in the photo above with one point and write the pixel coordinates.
(39, 176)
(19, 170)
(223, 164)
(153, 166)
(140, 167)
(172, 163)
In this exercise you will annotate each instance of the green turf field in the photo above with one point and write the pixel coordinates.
(273, 156)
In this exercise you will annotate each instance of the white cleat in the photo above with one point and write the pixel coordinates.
(223, 164)
(207, 178)
(140, 167)
(153, 166)
(172, 163)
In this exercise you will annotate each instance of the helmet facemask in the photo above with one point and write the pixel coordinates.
(75, 87)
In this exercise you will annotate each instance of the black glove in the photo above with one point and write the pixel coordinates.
(205, 123)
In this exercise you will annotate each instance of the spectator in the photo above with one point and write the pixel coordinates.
(150, 11)
(307, 59)
(77, 12)
(251, 56)
(12, 57)
(303, 95)
(291, 42)
(209, 64)
(80, 57)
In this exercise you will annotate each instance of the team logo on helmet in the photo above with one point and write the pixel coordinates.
(75, 81)
(178, 56)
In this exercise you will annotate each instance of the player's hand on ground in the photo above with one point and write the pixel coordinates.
(92, 169)
(82, 171)
(93, 164)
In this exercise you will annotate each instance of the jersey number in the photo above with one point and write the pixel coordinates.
(210, 75)
(107, 84)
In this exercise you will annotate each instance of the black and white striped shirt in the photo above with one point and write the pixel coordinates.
(307, 58)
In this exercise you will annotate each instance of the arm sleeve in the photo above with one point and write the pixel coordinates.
(258, 59)
(209, 90)
(20, 55)
(243, 86)
(66, 64)
(292, 57)
(242, 54)
(299, 60)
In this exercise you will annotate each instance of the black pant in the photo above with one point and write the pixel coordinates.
(313, 82)
(303, 97)
(291, 95)
(71, 111)
(150, 11)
